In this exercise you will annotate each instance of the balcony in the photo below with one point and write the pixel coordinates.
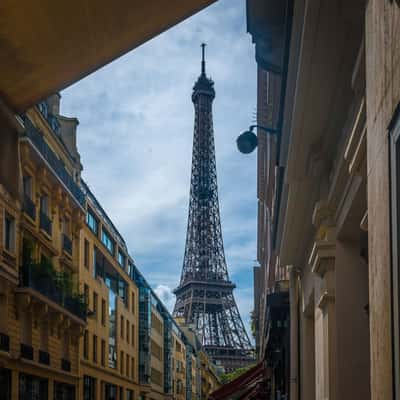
(26, 351)
(45, 223)
(67, 244)
(66, 365)
(44, 357)
(29, 207)
(4, 342)
(49, 284)
(32, 133)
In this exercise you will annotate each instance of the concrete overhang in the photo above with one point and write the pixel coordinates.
(331, 36)
(49, 45)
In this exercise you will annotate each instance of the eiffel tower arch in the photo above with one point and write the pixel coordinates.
(204, 296)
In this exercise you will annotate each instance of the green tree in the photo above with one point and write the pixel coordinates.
(230, 376)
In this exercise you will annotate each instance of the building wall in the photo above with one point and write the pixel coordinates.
(383, 95)
(32, 313)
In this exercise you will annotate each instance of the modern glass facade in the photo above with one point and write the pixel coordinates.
(189, 353)
(167, 353)
(144, 333)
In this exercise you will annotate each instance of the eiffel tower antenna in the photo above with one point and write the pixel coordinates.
(205, 292)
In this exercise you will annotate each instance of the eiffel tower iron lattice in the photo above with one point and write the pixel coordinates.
(204, 296)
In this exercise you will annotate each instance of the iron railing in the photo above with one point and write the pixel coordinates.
(29, 207)
(47, 286)
(67, 244)
(4, 342)
(44, 357)
(45, 223)
(26, 351)
(32, 133)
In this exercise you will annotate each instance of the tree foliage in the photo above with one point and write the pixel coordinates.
(230, 376)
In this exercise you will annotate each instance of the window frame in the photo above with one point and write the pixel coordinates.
(91, 214)
(10, 243)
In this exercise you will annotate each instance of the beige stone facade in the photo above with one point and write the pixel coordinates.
(70, 293)
(331, 203)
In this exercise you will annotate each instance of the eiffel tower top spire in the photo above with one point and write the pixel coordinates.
(203, 85)
(203, 61)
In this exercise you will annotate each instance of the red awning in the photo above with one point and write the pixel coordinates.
(244, 386)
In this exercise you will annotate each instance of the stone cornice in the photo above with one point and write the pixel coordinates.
(322, 256)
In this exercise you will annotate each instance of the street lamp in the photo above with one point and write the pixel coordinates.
(247, 141)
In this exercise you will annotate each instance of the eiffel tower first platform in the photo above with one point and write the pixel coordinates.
(204, 297)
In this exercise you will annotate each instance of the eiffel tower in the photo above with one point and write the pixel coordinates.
(204, 297)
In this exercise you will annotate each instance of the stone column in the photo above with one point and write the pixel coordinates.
(294, 334)
(14, 384)
(322, 260)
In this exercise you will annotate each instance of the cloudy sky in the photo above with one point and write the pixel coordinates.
(135, 140)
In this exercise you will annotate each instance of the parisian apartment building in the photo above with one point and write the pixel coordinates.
(78, 319)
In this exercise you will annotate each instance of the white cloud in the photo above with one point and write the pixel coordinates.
(166, 296)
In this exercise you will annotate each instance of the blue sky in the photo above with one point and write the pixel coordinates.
(135, 140)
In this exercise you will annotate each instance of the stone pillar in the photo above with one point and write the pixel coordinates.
(294, 334)
(14, 384)
(322, 260)
(352, 336)
(307, 372)
(50, 389)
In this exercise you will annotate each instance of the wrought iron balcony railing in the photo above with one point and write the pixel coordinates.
(67, 244)
(29, 207)
(47, 286)
(26, 351)
(32, 133)
(4, 342)
(44, 357)
(66, 365)
(45, 223)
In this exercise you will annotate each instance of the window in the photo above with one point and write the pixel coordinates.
(103, 312)
(122, 362)
(121, 258)
(107, 241)
(122, 327)
(156, 377)
(92, 222)
(130, 268)
(89, 388)
(95, 300)
(103, 352)
(156, 350)
(86, 344)
(127, 331)
(129, 394)
(27, 182)
(156, 323)
(95, 348)
(133, 368)
(133, 335)
(127, 365)
(86, 253)
(44, 204)
(9, 233)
